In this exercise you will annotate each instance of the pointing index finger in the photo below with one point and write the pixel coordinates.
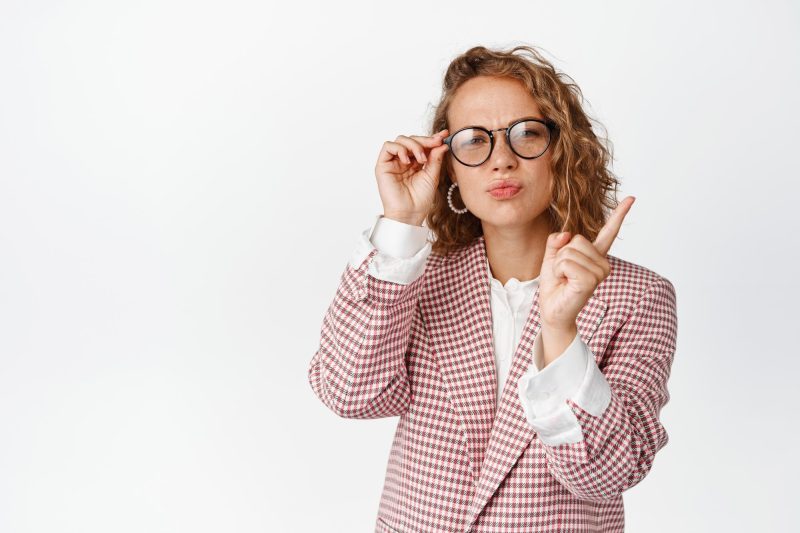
(605, 238)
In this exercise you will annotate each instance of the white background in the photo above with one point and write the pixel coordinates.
(182, 183)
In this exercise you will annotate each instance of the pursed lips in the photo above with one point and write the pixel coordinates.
(505, 184)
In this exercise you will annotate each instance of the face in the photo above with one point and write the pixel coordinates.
(495, 103)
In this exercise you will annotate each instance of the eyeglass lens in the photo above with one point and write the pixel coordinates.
(528, 139)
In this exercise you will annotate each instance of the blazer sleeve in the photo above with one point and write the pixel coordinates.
(359, 370)
(620, 443)
(543, 392)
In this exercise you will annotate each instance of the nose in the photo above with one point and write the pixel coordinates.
(502, 156)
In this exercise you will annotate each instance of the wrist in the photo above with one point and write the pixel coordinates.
(555, 341)
(413, 220)
(560, 328)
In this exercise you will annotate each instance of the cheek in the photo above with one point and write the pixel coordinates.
(469, 181)
(545, 189)
(542, 180)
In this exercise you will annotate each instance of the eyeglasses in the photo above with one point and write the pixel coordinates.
(527, 137)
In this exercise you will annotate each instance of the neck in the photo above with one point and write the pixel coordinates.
(516, 252)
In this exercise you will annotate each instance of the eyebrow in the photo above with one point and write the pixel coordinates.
(507, 125)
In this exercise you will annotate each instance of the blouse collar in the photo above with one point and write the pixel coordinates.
(513, 284)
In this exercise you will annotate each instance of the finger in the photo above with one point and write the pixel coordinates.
(554, 243)
(579, 276)
(575, 256)
(413, 146)
(419, 144)
(393, 150)
(430, 141)
(583, 245)
(605, 238)
(434, 164)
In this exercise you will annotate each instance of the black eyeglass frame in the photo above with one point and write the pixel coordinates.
(551, 127)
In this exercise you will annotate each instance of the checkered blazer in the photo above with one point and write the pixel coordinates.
(424, 352)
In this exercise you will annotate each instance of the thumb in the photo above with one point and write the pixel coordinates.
(434, 163)
(555, 241)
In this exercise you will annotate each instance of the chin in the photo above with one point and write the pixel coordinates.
(509, 219)
(507, 215)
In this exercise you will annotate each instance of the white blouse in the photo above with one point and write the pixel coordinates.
(403, 250)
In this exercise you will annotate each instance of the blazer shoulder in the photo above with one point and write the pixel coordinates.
(449, 273)
(439, 262)
(627, 282)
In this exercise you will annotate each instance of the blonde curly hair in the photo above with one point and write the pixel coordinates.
(584, 189)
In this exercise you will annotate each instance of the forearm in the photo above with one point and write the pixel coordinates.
(622, 433)
(616, 453)
(359, 369)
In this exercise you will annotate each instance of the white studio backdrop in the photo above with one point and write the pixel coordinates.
(182, 183)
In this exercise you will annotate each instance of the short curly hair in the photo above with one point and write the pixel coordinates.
(584, 188)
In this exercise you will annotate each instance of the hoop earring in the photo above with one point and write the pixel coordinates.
(450, 200)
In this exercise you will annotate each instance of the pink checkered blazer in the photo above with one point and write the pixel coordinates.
(424, 352)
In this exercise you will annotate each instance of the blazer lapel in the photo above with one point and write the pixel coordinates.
(459, 324)
(511, 433)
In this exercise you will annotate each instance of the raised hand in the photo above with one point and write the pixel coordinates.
(408, 173)
(572, 269)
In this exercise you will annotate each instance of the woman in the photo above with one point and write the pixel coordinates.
(528, 366)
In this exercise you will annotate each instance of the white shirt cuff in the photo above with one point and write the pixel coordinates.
(543, 393)
(398, 239)
(403, 250)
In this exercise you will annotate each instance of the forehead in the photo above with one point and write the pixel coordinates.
(491, 102)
